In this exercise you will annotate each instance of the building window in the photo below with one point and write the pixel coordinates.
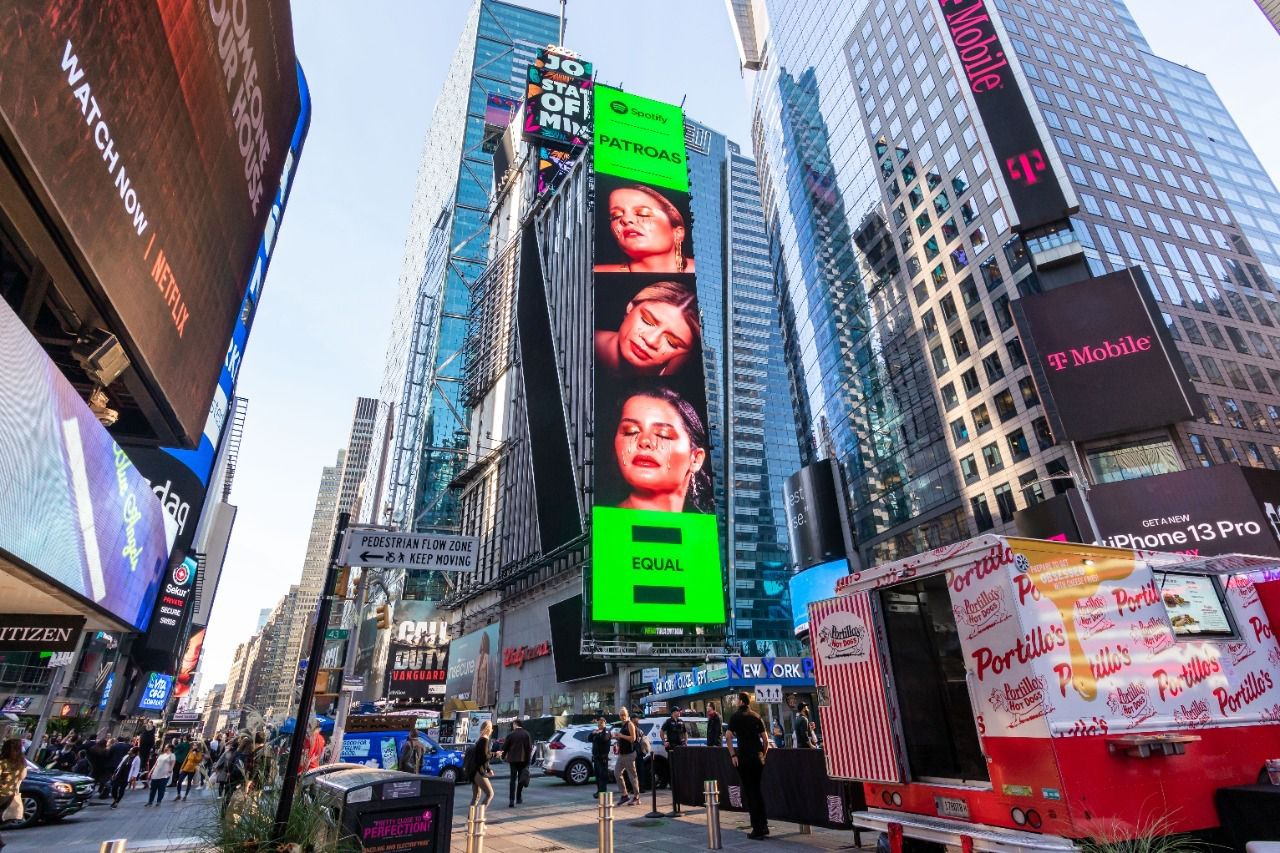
(940, 365)
(1198, 448)
(981, 328)
(1133, 461)
(1016, 356)
(1044, 435)
(960, 345)
(950, 399)
(1032, 489)
(1005, 502)
(1232, 411)
(1018, 447)
(1253, 456)
(960, 432)
(969, 292)
(969, 469)
(991, 456)
(1226, 450)
(993, 368)
(1030, 398)
(981, 513)
(947, 304)
(1006, 408)
(981, 419)
(970, 381)
(1004, 318)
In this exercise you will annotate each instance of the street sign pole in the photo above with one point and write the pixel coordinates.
(302, 719)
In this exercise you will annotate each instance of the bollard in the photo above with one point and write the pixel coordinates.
(471, 828)
(605, 825)
(115, 845)
(711, 795)
(480, 818)
(805, 829)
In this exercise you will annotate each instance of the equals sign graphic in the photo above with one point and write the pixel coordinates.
(642, 534)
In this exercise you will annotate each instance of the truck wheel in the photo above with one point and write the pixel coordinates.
(449, 774)
(578, 772)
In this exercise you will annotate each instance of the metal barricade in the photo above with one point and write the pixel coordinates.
(711, 795)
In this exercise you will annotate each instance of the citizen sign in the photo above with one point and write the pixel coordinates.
(39, 633)
(1127, 345)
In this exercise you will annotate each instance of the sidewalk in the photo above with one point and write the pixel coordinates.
(558, 818)
(176, 824)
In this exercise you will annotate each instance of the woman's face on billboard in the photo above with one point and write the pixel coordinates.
(654, 337)
(640, 225)
(654, 453)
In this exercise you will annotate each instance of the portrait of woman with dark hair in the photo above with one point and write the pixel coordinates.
(649, 230)
(660, 447)
(659, 331)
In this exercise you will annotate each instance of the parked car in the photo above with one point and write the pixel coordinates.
(49, 795)
(569, 751)
(382, 749)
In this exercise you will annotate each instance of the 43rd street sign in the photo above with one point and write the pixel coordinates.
(390, 550)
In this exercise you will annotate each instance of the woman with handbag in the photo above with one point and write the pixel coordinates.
(480, 765)
(13, 769)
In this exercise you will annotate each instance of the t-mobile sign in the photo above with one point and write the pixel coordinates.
(1102, 359)
(1034, 188)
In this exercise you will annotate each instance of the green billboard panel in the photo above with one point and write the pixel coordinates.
(655, 568)
(640, 139)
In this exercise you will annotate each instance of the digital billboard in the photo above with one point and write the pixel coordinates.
(155, 692)
(1034, 186)
(558, 100)
(473, 668)
(815, 521)
(173, 609)
(817, 583)
(72, 506)
(153, 134)
(655, 542)
(417, 660)
(566, 643)
(1102, 358)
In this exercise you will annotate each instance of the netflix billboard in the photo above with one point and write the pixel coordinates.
(153, 135)
(1034, 186)
(1102, 358)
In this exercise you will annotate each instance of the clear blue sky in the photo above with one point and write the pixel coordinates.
(319, 337)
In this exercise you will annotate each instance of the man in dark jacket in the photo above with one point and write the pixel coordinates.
(601, 741)
(804, 728)
(748, 746)
(100, 763)
(518, 751)
(146, 745)
(411, 753)
(715, 726)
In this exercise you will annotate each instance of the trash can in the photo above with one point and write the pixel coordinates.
(385, 810)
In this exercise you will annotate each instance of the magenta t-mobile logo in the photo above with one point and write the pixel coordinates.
(1025, 168)
(1122, 346)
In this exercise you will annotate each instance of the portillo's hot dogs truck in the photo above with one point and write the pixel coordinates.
(1004, 694)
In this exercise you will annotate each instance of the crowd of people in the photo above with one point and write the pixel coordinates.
(181, 762)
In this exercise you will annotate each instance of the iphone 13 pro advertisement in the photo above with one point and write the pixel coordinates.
(655, 546)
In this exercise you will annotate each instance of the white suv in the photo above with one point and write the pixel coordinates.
(569, 750)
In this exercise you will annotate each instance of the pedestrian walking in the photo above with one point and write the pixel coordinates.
(221, 768)
(83, 766)
(518, 752)
(625, 769)
(715, 726)
(100, 759)
(146, 744)
(410, 760)
(190, 766)
(804, 728)
(315, 749)
(161, 770)
(124, 776)
(181, 749)
(13, 769)
(748, 748)
(601, 739)
(239, 769)
(479, 768)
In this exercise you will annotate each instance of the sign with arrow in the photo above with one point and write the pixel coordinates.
(390, 550)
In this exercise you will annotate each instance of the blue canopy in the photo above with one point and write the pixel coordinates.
(326, 725)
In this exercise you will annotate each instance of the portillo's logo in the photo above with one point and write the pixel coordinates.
(1104, 351)
(846, 638)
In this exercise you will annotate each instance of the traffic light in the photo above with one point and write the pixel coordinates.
(342, 583)
(384, 616)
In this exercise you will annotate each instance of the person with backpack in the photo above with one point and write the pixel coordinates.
(625, 770)
(476, 766)
(804, 728)
(410, 759)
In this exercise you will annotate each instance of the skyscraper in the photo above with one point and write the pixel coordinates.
(903, 238)
(446, 250)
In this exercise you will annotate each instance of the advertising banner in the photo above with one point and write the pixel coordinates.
(558, 101)
(72, 506)
(25, 632)
(155, 134)
(566, 643)
(155, 692)
(1102, 358)
(815, 522)
(1035, 187)
(417, 662)
(813, 584)
(173, 610)
(1200, 512)
(190, 662)
(473, 668)
(655, 543)
(179, 490)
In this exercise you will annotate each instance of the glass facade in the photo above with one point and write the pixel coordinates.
(446, 251)
(746, 379)
(898, 263)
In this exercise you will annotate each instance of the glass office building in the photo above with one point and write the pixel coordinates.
(446, 251)
(893, 238)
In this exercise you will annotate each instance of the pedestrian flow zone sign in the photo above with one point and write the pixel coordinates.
(390, 550)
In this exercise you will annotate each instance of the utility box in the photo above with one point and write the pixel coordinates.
(381, 811)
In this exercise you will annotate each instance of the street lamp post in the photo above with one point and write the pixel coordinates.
(1082, 486)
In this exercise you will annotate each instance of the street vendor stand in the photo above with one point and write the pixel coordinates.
(1023, 694)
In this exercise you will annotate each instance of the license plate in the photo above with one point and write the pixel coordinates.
(952, 807)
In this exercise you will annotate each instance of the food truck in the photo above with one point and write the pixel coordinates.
(1017, 694)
